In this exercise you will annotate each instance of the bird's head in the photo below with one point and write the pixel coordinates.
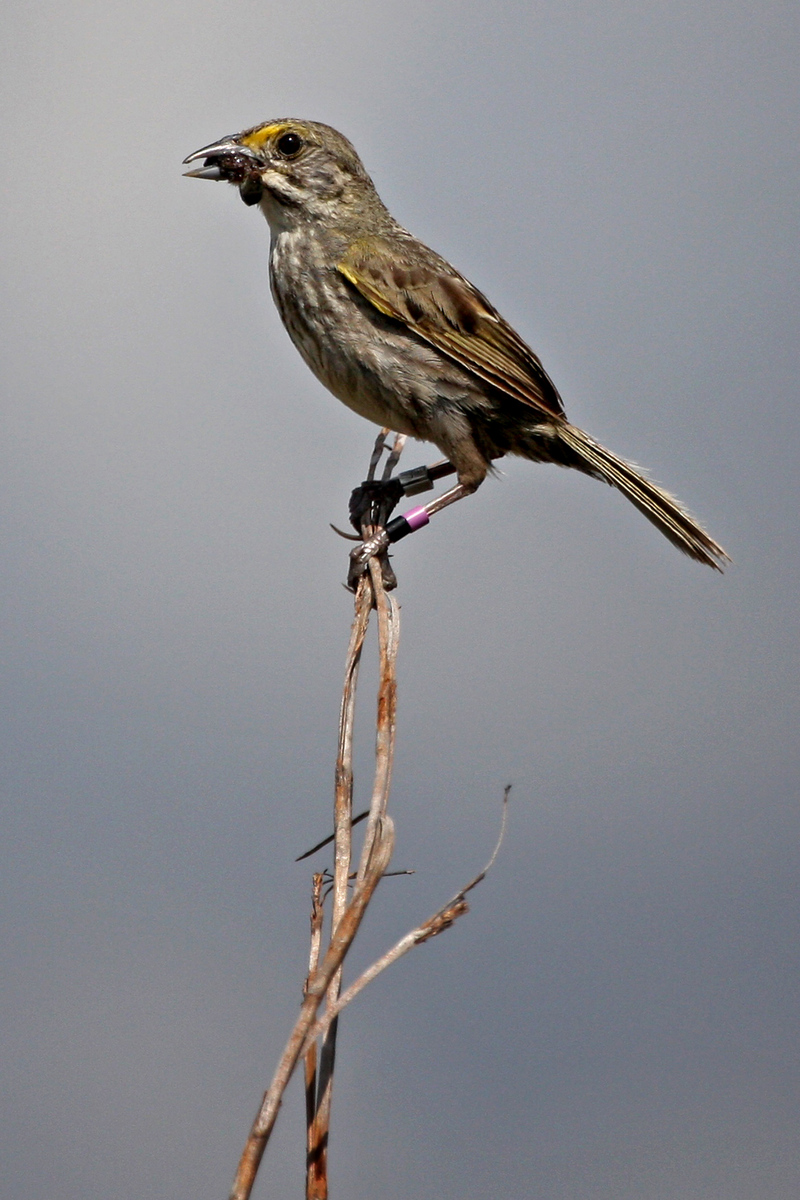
(296, 170)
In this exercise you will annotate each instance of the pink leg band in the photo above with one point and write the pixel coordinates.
(416, 518)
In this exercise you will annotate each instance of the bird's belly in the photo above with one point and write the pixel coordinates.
(342, 371)
(374, 365)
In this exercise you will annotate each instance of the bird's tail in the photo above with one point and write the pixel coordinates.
(657, 505)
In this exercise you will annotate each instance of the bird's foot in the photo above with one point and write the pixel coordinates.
(371, 505)
(376, 546)
(373, 502)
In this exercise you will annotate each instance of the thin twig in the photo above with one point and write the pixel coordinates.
(441, 920)
(370, 591)
(316, 988)
(345, 919)
(323, 982)
(388, 636)
(327, 841)
(342, 815)
(317, 915)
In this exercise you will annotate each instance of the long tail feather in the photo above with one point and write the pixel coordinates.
(657, 505)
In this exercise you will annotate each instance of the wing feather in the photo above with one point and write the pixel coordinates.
(442, 307)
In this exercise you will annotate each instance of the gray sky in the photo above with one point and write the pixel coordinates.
(617, 1017)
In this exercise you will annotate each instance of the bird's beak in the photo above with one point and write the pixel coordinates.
(228, 160)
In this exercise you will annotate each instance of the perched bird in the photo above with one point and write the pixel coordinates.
(397, 334)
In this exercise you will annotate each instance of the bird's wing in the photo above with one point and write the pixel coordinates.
(440, 306)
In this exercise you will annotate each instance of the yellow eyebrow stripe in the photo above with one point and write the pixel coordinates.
(258, 137)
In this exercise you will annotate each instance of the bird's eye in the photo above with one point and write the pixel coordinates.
(290, 144)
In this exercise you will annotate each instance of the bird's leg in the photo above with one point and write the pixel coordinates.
(401, 527)
(385, 494)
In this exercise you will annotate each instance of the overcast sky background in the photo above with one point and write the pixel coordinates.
(617, 1018)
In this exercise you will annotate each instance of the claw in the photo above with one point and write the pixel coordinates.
(348, 537)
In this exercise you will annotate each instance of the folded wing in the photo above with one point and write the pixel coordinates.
(444, 309)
